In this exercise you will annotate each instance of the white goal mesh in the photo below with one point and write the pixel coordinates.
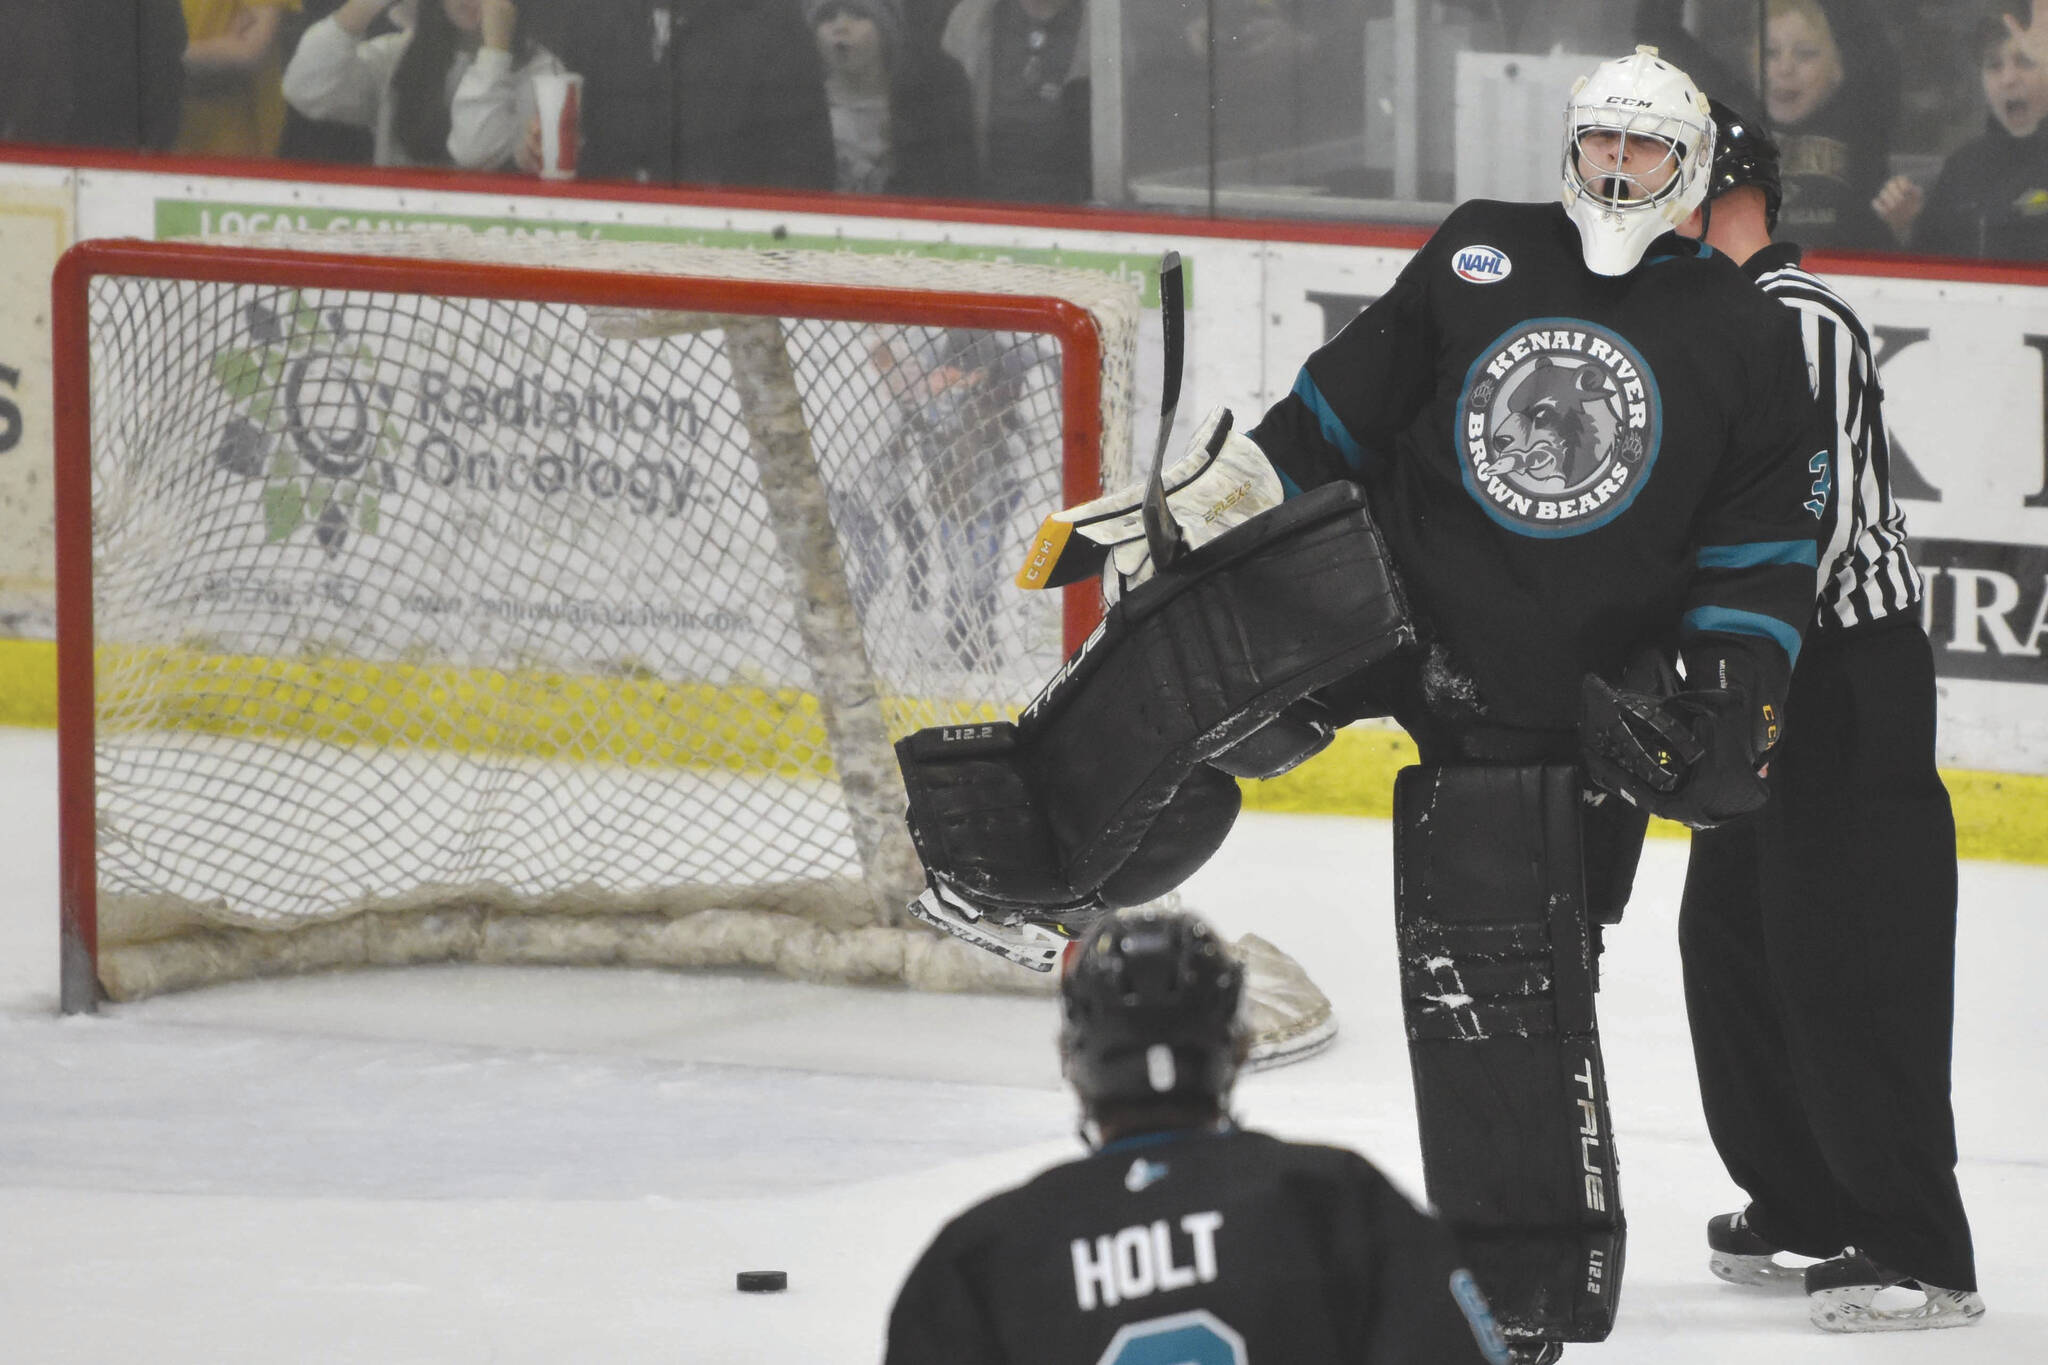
(477, 606)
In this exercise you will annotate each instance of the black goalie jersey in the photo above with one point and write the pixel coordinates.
(1207, 1248)
(1569, 467)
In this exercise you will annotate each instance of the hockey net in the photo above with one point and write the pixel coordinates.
(454, 598)
(448, 601)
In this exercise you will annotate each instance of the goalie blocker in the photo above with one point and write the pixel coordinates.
(1497, 980)
(1115, 784)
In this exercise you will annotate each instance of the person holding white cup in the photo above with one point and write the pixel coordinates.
(453, 86)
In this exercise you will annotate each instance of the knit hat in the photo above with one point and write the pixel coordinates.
(886, 14)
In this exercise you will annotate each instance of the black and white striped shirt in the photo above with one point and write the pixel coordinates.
(1865, 571)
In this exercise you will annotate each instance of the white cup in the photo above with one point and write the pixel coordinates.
(558, 97)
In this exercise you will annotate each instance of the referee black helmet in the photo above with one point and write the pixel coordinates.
(1744, 154)
(1150, 1014)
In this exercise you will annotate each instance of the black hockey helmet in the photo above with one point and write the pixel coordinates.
(1744, 154)
(1150, 1013)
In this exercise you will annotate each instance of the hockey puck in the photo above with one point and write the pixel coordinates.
(763, 1281)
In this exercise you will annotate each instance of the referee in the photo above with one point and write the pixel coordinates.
(1818, 936)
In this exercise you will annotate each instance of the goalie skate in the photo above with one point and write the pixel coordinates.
(1736, 1254)
(1026, 942)
(1853, 1293)
(1288, 1017)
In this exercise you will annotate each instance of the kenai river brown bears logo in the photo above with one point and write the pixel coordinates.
(1558, 426)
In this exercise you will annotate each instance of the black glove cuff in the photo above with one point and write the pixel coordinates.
(1755, 669)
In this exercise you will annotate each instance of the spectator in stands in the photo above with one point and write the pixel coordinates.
(311, 139)
(1027, 63)
(233, 62)
(1991, 198)
(1831, 91)
(95, 73)
(455, 88)
(901, 120)
(706, 92)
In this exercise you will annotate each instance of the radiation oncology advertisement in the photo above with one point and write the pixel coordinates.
(1964, 369)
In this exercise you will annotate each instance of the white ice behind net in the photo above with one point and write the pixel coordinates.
(468, 614)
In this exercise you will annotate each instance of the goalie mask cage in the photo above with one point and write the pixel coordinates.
(466, 599)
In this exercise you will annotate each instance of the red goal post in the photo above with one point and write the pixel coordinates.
(235, 422)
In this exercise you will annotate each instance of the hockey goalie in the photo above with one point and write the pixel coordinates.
(1551, 502)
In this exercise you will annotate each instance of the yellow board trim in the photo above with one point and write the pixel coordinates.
(533, 713)
(28, 683)
(623, 719)
(1999, 816)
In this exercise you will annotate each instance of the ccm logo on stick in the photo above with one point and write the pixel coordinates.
(1482, 264)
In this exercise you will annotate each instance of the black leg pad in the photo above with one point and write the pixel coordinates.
(1199, 658)
(1188, 830)
(1048, 813)
(974, 816)
(1497, 980)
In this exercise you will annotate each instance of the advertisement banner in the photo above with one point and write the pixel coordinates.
(128, 204)
(391, 479)
(35, 227)
(1987, 608)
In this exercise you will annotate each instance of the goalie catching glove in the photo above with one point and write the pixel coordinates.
(1224, 480)
(1689, 754)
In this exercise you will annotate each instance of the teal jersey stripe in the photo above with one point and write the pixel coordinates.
(1758, 552)
(1333, 428)
(1705, 251)
(1729, 621)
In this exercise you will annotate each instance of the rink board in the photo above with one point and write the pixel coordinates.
(1963, 352)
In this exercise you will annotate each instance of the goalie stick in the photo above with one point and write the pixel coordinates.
(1057, 557)
(1161, 531)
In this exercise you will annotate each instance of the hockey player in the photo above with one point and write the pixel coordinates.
(1584, 442)
(1182, 1236)
(1818, 935)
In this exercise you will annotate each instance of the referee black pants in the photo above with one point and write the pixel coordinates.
(1818, 940)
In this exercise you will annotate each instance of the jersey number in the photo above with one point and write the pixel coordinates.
(1823, 483)
(1195, 1338)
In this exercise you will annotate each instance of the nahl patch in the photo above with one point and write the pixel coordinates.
(1558, 427)
(1481, 264)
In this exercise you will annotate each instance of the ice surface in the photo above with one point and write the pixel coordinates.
(520, 1165)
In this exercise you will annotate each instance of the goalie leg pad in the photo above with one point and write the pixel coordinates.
(1497, 979)
(1197, 660)
(976, 821)
(1186, 833)
(973, 819)
(1048, 812)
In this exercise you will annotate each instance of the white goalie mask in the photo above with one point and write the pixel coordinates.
(1645, 119)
